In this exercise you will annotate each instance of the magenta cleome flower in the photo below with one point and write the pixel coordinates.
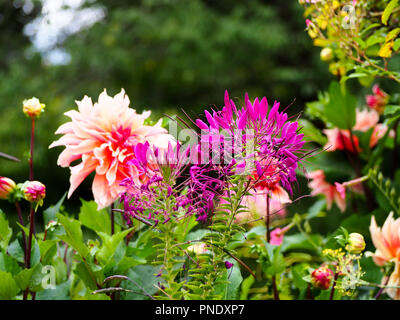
(277, 143)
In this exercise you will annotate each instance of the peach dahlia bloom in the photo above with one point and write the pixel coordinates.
(103, 135)
(387, 243)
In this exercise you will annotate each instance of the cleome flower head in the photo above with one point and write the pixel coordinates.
(257, 133)
(103, 135)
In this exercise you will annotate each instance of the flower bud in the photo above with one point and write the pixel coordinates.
(7, 187)
(321, 278)
(326, 54)
(356, 243)
(34, 192)
(32, 107)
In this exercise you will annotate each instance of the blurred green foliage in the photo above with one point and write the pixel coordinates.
(166, 55)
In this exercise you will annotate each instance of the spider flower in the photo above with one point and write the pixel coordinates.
(387, 243)
(103, 135)
(276, 143)
(160, 168)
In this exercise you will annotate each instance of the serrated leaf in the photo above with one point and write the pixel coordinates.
(51, 212)
(109, 245)
(73, 234)
(8, 286)
(96, 220)
(48, 249)
(5, 231)
(29, 278)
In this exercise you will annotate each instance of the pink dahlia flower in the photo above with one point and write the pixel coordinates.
(387, 243)
(103, 135)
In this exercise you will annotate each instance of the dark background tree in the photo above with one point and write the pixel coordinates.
(166, 55)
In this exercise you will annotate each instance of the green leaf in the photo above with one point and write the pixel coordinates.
(341, 108)
(9, 264)
(316, 209)
(8, 286)
(246, 285)
(388, 11)
(392, 34)
(392, 110)
(5, 231)
(298, 272)
(311, 132)
(60, 292)
(48, 249)
(87, 275)
(73, 234)
(16, 251)
(109, 245)
(144, 278)
(50, 213)
(396, 45)
(96, 220)
(127, 263)
(229, 283)
(30, 278)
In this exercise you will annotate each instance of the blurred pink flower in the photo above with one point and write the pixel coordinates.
(387, 244)
(256, 204)
(103, 136)
(276, 237)
(340, 140)
(378, 100)
(319, 185)
(367, 119)
(355, 185)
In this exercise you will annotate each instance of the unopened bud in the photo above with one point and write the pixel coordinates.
(321, 278)
(326, 54)
(7, 188)
(32, 107)
(356, 243)
(34, 192)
